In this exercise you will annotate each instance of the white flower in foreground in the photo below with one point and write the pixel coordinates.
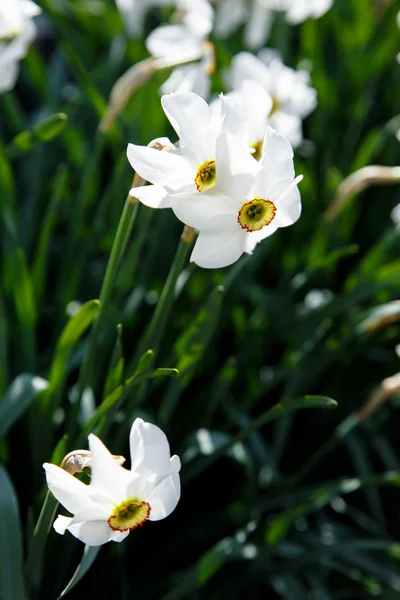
(17, 31)
(234, 216)
(118, 500)
(293, 97)
(190, 168)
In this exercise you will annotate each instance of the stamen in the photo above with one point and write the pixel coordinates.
(205, 177)
(256, 214)
(129, 514)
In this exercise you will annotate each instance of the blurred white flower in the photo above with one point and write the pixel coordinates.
(190, 168)
(17, 31)
(248, 203)
(118, 500)
(258, 15)
(293, 97)
(186, 42)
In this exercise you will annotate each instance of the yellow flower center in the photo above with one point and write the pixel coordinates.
(257, 213)
(257, 149)
(275, 105)
(205, 177)
(129, 514)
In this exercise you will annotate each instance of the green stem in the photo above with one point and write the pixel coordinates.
(33, 567)
(155, 331)
(122, 236)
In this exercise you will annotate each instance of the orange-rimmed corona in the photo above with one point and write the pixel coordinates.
(256, 214)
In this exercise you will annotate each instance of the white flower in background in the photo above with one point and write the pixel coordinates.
(190, 168)
(258, 16)
(293, 97)
(118, 500)
(254, 104)
(133, 13)
(238, 213)
(17, 31)
(186, 42)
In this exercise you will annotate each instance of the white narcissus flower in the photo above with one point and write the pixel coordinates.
(190, 168)
(293, 97)
(118, 500)
(234, 216)
(17, 31)
(300, 10)
(185, 42)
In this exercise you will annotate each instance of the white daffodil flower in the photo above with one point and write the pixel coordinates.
(17, 31)
(293, 97)
(238, 213)
(190, 168)
(186, 42)
(118, 500)
(254, 104)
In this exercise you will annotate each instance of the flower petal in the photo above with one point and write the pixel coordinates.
(159, 166)
(190, 116)
(149, 448)
(108, 477)
(164, 498)
(92, 533)
(154, 196)
(61, 524)
(236, 169)
(197, 209)
(220, 246)
(288, 126)
(253, 238)
(288, 203)
(277, 159)
(69, 491)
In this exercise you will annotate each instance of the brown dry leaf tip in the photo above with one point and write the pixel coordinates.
(77, 460)
(359, 181)
(124, 89)
(388, 388)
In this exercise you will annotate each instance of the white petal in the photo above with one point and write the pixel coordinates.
(247, 66)
(196, 210)
(153, 196)
(107, 476)
(118, 536)
(277, 159)
(288, 204)
(220, 246)
(164, 498)
(61, 524)
(92, 533)
(69, 491)
(149, 448)
(190, 116)
(175, 42)
(289, 126)
(159, 166)
(253, 238)
(174, 464)
(258, 26)
(236, 169)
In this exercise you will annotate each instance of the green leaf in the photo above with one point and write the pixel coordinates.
(22, 392)
(44, 131)
(89, 555)
(116, 369)
(71, 334)
(11, 569)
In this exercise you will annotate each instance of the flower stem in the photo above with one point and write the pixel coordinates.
(119, 245)
(154, 333)
(33, 566)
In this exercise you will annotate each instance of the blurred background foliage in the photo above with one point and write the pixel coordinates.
(303, 504)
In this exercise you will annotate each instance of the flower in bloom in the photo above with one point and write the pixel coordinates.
(17, 31)
(247, 204)
(118, 500)
(293, 97)
(185, 42)
(191, 167)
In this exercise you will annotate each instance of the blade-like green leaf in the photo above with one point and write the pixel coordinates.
(11, 570)
(22, 392)
(89, 555)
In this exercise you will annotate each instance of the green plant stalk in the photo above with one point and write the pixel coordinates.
(155, 331)
(122, 235)
(33, 566)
